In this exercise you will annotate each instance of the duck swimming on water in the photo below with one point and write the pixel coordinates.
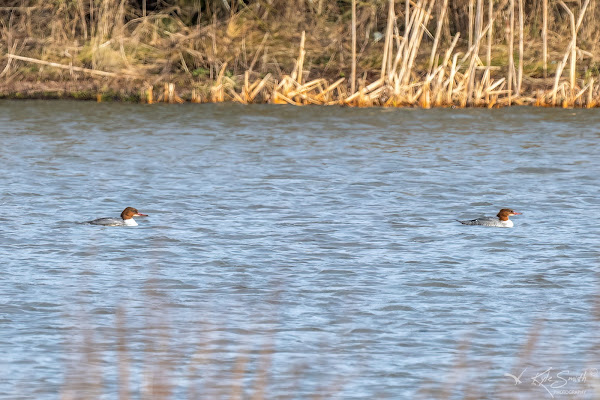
(501, 220)
(125, 220)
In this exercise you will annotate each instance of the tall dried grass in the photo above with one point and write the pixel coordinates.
(414, 53)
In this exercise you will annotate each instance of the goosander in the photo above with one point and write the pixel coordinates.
(125, 220)
(501, 221)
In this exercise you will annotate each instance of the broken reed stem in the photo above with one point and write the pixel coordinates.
(69, 67)
(301, 58)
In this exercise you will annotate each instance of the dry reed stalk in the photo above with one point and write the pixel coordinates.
(283, 88)
(469, 88)
(304, 89)
(10, 59)
(544, 37)
(411, 95)
(196, 96)
(217, 94)
(213, 65)
(285, 83)
(473, 58)
(589, 103)
(280, 90)
(451, 80)
(379, 82)
(559, 69)
(438, 32)
(571, 49)
(401, 52)
(573, 68)
(150, 95)
(279, 98)
(520, 70)
(480, 88)
(488, 58)
(249, 87)
(490, 100)
(169, 95)
(373, 97)
(416, 97)
(462, 98)
(539, 98)
(165, 95)
(511, 61)
(406, 17)
(171, 92)
(260, 47)
(388, 38)
(442, 67)
(489, 39)
(259, 87)
(425, 98)
(236, 97)
(323, 95)
(493, 86)
(579, 94)
(471, 5)
(353, 73)
(246, 87)
(70, 67)
(395, 36)
(415, 41)
(297, 73)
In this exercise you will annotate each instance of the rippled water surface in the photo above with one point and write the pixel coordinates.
(296, 252)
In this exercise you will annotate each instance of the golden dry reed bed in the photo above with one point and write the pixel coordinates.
(425, 53)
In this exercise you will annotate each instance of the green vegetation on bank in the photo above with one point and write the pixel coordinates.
(371, 52)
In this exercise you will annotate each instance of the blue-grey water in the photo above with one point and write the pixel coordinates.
(297, 253)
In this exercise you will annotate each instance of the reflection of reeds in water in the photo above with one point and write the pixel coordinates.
(196, 360)
(154, 362)
(537, 371)
(424, 59)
